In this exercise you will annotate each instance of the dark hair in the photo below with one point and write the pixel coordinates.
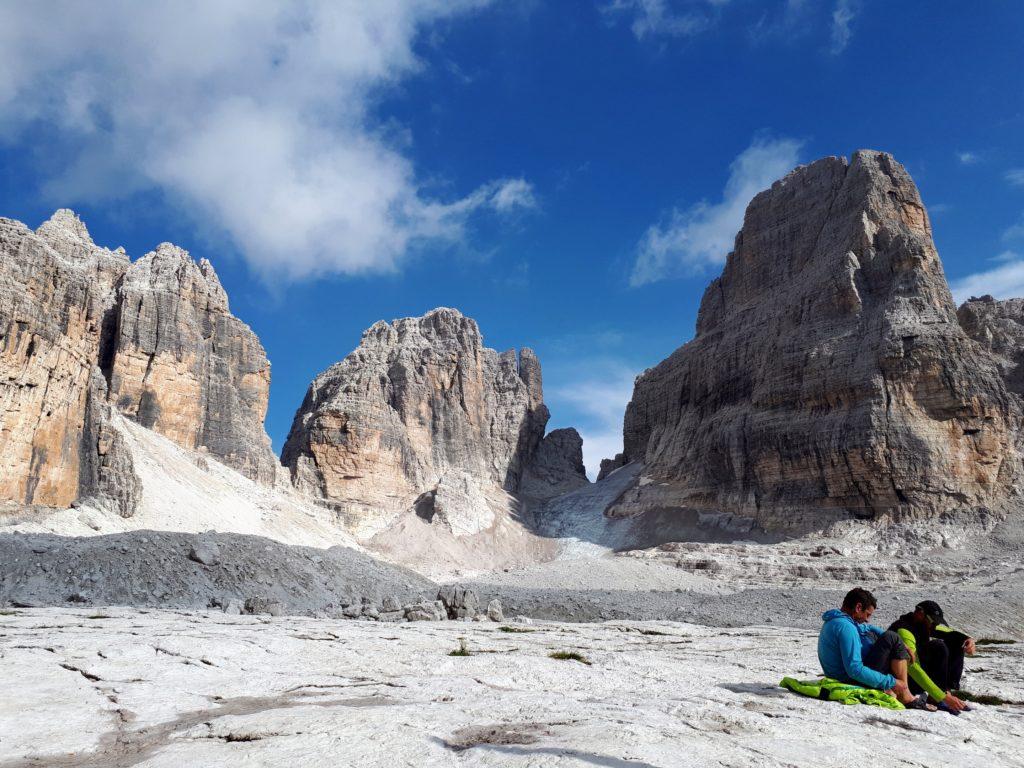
(861, 596)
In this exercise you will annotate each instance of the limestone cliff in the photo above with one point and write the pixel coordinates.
(999, 327)
(185, 367)
(420, 414)
(82, 328)
(829, 375)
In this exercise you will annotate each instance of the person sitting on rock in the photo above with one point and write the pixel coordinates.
(936, 654)
(853, 651)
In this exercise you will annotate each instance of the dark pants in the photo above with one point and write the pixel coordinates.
(887, 649)
(943, 662)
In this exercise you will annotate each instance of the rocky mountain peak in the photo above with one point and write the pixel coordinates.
(420, 407)
(829, 375)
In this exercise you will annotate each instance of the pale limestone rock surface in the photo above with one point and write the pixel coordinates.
(829, 376)
(557, 466)
(169, 688)
(419, 400)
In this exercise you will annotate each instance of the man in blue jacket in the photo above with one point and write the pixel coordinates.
(853, 651)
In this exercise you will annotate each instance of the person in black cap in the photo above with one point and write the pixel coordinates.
(937, 652)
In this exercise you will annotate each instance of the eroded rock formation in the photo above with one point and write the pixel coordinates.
(557, 466)
(185, 367)
(829, 376)
(420, 413)
(999, 327)
(82, 328)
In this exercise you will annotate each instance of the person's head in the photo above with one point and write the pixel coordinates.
(928, 613)
(859, 604)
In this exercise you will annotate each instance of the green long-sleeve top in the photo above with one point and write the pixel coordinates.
(915, 670)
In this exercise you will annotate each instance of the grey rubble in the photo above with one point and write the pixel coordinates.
(829, 377)
(82, 329)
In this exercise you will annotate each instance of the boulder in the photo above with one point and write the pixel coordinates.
(205, 552)
(459, 602)
(494, 611)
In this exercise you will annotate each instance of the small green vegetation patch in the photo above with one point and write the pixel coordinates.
(570, 656)
(6, 612)
(995, 641)
(462, 650)
(98, 616)
(516, 630)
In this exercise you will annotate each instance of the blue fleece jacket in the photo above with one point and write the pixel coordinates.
(841, 645)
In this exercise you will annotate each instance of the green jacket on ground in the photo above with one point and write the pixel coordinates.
(827, 689)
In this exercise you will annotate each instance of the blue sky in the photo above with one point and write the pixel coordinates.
(569, 173)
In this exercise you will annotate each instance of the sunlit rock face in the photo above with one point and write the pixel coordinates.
(185, 367)
(829, 376)
(82, 330)
(56, 306)
(421, 412)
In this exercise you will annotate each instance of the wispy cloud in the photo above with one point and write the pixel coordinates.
(1004, 281)
(657, 18)
(843, 15)
(593, 399)
(1015, 176)
(255, 117)
(1014, 231)
(704, 234)
(968, 158)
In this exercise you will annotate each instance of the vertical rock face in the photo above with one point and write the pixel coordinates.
(78, 320)
(185, 367)
(421, 403)
(54, 302)
(999, 327)
(829, 375)
(557, 466)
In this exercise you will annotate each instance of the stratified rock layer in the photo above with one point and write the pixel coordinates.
(55, 303)
(999, 327)
(557, 466)
(421, 407)
(82, 327)
(828, 376)
(185, 367)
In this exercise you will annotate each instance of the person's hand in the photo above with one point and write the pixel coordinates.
(900, 689)
(969, 646)
(955, 704)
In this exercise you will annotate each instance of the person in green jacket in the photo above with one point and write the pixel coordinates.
(937, 653)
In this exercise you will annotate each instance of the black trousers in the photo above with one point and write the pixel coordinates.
(943, 662)
(885, 650)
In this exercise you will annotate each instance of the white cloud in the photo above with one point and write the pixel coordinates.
(843, 15)
(1005, 281)
(968, 158)
(257, 117)
(1015, 176)
(1015, 231)
(657, 18)
(595, 403)
(704, 234)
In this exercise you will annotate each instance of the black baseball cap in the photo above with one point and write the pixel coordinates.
(932, 610)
